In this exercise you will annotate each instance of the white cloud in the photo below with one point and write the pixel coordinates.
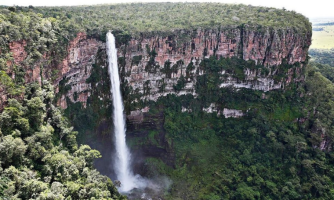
(311, 9)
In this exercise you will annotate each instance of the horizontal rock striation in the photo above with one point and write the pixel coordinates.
(76, 68)
(144, 60)
(154, 64)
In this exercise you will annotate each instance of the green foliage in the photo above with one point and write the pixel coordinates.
(151, 65)
(43, 35)
(167, 69)
(122, 37)
(273, 152)
(215, 71)
(322, 56)
(136, 59)
(323, 60)
(265, 155)
(325, 69)
(39, 155)
(154, 18)
(181, 83)
(189, 70)
(87, 119)
(46, 30)
(8, 85)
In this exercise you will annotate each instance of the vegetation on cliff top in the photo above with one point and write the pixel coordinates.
(47, 30)
(155, 17)
(265, 154)
(136, 18)
(45, 39)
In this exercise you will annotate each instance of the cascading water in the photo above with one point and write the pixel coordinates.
(122, 163)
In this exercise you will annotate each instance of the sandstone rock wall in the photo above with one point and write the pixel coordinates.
(17, 49)
(76, 67)
(269, 48)
(266, 47)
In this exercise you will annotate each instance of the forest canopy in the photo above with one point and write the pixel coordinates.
(39, 155)
(136, 18)
(271, 153)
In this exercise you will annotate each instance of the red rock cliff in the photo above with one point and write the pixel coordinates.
(76, 67)
(266, 47)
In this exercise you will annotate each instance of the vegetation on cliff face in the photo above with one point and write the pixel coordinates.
(43, 32)
(99, 103)
(39, 155)
(43, 36)
(280, 149)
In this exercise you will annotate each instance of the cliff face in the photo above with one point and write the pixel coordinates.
(144, 60)
(17, 49)
(19, 54)
(75, 67)
(266, 47)
(154, 64)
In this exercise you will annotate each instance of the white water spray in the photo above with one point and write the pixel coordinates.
(123, 157)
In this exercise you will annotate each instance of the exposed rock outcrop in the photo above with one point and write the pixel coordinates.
(267, 47)
(77, 66)
(17, 49)
(232, 113)
(226, 112)
(33, 73)
(145, 60)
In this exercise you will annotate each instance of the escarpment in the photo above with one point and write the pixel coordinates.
(156, 61)
(158, 56)
(220, 99)
(153, 65)
(75, 68)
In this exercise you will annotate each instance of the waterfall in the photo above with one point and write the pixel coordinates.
(123, 157)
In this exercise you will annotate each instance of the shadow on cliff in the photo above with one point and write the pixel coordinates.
(103, 141)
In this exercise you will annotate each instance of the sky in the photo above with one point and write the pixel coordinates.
(311, 9)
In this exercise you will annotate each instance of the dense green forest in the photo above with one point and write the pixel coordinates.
(273, 152)
(323, 60)
(141, 18)
(322, 56)
(280, 149)
(161, 17)
(47, 30)
(40, 158)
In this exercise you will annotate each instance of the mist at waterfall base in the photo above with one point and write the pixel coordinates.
(130, 183)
